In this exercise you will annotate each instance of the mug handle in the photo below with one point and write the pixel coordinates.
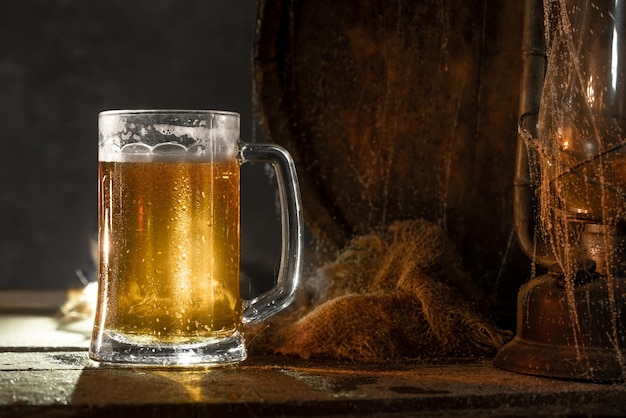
(282, 294)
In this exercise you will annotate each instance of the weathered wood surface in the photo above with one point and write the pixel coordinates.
(61, 381)
(68, 383)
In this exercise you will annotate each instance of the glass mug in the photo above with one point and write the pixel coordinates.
(168, 234)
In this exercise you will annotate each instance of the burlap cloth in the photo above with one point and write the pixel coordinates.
(399, 293)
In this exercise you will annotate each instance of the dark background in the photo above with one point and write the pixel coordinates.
(62, 62)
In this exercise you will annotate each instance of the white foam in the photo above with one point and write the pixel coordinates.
(216, 143)
(166, 152)
(200, 133)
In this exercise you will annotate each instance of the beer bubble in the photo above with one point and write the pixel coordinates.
(136, 149)
(197, 149)
(169, 148)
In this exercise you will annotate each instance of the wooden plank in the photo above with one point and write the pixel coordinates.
(40, 300)
(40, 332)
(69, 383)
(45, 372)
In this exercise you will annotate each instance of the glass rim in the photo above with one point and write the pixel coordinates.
(121, 112)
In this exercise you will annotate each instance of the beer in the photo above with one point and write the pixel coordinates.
(169, 250)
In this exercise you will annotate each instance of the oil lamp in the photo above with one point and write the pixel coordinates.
(570, 193)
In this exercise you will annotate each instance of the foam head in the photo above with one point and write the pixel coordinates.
(167, 135)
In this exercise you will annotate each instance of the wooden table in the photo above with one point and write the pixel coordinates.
(45, 372)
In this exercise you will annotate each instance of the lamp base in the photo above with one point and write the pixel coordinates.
(580, 335)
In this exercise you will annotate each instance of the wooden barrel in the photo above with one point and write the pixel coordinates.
(396, 110)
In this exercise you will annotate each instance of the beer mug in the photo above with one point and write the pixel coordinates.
(168, 235)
